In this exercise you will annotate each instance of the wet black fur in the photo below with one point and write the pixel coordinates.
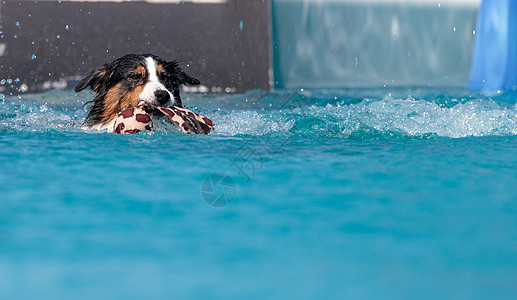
(108, 75)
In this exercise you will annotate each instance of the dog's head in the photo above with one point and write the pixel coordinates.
(132, 78)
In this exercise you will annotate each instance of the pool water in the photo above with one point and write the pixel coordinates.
(318, 194)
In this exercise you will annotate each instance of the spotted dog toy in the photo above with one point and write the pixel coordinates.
(138, 119)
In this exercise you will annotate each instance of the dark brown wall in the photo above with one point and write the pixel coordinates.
(224, 45)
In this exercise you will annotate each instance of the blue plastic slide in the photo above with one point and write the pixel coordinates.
(494, 62)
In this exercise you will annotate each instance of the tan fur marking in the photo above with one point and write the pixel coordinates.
(117, 100)
(131, 99)
(159, 69)
(111, 103)
(141, 70)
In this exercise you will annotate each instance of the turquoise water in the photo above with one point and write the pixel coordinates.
(337, 194)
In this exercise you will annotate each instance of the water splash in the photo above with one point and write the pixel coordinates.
(32, 117)
(314, 114)
(408, 117)
(351, 117)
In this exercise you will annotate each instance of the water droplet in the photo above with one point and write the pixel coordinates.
(33, 57)
(66, 27)
(58, 36)
(241, 25)
(17, 24)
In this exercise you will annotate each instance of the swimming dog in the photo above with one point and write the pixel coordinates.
(121, 84)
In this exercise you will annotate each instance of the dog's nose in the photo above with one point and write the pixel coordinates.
(162, 96)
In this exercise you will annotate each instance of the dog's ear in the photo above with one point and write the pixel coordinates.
(186, 79)
(97, 79)
(183, 78)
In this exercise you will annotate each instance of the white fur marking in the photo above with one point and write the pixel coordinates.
(153, 84)
(151, 68)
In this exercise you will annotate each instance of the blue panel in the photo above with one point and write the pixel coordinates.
(494, 64)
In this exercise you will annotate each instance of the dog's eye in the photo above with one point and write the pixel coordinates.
(165, 75)
(135, 76)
